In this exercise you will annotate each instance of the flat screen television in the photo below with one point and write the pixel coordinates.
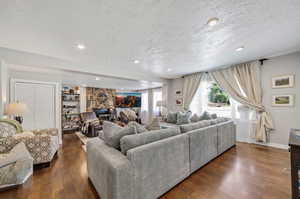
(128, 100)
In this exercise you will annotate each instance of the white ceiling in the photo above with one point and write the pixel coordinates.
(78, 79)
(161, 34)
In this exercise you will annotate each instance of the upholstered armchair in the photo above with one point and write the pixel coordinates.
(90, 124)
(128, 115)
(15, 167)
(41, 144)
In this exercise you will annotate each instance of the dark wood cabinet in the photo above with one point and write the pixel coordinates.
(294, 143)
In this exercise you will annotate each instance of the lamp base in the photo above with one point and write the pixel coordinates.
(19, 119)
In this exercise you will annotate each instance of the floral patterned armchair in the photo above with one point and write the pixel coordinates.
(41, 144)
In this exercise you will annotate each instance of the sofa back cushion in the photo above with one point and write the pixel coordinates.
(131, 141)
(113, 133)
(192, 126)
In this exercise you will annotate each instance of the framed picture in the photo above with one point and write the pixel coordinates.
(179, 102)
(283, 100)
(285, 81)
(178, 92)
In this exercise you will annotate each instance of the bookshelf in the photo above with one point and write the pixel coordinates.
(70, 109)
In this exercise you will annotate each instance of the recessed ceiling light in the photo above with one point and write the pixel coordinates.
(80, 46)
(213, 21)
(240, 48)
(136, 61)
(169, 69)
(98, 78)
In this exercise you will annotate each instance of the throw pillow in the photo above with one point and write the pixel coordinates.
(7, 130)
(172, 117)
(205, 116)
(183, 117)
(214, 116)
(195, 118)
(113, 133)
(153, 125)
(139, 128)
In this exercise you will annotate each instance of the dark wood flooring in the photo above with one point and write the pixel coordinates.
(244, 172)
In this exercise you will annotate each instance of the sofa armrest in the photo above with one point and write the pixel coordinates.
(109, 170)
(51, 131)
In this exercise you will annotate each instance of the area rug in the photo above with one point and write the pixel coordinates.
(83, 139)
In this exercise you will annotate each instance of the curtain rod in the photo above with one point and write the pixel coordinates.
(260, 60)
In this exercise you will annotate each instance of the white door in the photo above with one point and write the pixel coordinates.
(40, 100)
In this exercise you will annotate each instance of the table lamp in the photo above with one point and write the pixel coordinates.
(17, 110)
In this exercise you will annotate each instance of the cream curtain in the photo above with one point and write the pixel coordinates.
(242, 83)
(190, 85)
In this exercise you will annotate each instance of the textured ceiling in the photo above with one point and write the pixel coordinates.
(162, 34)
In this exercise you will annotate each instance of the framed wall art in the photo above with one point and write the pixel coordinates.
(283, 100)
(284, 81)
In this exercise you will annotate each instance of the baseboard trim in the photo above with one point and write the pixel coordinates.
(274, 145)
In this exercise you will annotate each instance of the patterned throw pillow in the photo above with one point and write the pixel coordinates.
(205, 116)
(195, 118)
(7, 130)
(172, 117)
(214, 116)
(183, 117)
(139, 128)
(113, 133)
(153, 125)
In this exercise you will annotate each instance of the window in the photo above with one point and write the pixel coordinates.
(145, 106)
(157, 96)
(211, 98)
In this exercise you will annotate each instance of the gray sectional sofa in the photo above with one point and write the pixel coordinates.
(151, 163)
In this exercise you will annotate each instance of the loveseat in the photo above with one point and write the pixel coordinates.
(41, 144)
(153, 162)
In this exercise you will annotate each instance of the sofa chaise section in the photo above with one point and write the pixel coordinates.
(147, 171)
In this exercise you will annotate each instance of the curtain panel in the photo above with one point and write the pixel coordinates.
(190, 85)
(242, 83)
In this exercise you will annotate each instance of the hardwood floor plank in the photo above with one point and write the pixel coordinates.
(246, 171)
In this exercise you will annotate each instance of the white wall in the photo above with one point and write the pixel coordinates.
(3, 86)
(284, 117)
(173, 86)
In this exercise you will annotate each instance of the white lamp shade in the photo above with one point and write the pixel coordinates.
(16, 109)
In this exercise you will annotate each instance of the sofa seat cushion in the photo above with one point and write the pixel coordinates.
(192, 126)
(131, 141)
(113, 133)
